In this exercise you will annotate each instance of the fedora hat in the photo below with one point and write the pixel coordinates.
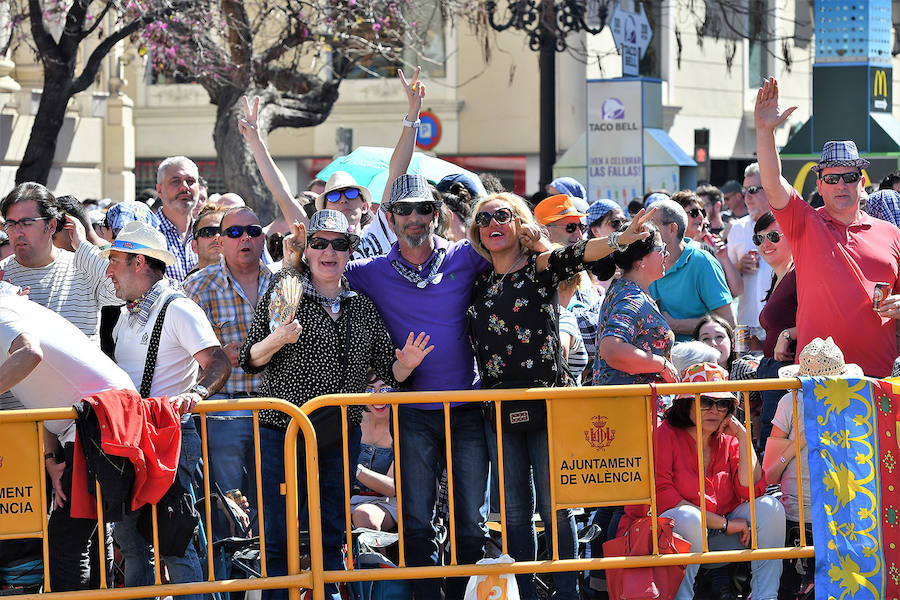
(342, 180)
(334, 221)
(704, 373)
(840, 154)
(821, 358)
(552, 209)
(137, 237)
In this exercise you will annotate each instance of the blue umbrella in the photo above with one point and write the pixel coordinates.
(369, 166)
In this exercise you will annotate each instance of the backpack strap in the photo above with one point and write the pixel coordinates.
(153, 347)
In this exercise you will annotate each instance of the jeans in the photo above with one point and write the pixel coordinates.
(421, 439)
(769, 531)
(332, 501)
(70, 540)
(526, 461)
(138, 553)
(229, 439)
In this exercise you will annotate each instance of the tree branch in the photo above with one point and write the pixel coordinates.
(238, 35)
(46, 45)
(98, 20)
(71, 36)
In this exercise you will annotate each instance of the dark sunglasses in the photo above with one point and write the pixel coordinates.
(616, 223)
(696, 212)
(753, 189)
(208, 232)
(404, 209)
(348, 193)
(340, 244)
(501, 216)
(572, 227)
(833, 178)
(721, 405)
(236, 231)
(772, 236)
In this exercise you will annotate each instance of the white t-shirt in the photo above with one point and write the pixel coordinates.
(784, 420)
(757, 283)
(186, 331)
(377, 238)
(72, 366)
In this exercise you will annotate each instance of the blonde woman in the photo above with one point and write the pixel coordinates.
(514, 330)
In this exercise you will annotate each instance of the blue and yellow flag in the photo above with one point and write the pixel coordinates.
(852, 432)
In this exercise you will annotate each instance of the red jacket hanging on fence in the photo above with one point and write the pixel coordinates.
(147, 431)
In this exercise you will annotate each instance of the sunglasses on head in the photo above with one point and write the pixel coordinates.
(720, 404)
(753, 189)
(236, 231)
(404, 209)
(348, 193)
(208, 232)
(340, 244)
(501, 216)
(772, 236)
(696, 212)
(572, 227)
(833, 178)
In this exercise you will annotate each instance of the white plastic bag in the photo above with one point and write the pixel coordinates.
(494, 586)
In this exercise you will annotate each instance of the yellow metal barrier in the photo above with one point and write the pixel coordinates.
(631, 403)
(295, 579)
(564, 406)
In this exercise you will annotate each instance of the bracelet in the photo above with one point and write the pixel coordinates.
(52, 455)
(408, 123)
(725, 528)
(613, 241)
(786, 334)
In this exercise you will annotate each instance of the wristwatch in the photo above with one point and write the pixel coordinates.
(200, 390)
(408, 123)
(786, 334)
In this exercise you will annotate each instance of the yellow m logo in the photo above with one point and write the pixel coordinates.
(880, 87)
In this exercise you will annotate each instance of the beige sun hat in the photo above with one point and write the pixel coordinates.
(341, 180)
(139, 238)
(821, 358)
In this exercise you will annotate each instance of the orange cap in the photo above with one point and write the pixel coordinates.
(554, 208)
(703, 373)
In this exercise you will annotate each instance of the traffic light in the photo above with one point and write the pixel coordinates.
(701, 153)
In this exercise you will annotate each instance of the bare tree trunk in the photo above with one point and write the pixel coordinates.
(48, 121)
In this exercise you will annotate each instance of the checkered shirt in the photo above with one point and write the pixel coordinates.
(185, 257)
(230, 313)
(884, 205)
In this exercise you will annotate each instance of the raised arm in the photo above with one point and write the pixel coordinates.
(768, 118)
(272, 175)
(403, 151)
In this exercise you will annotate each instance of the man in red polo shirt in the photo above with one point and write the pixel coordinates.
(839, 251)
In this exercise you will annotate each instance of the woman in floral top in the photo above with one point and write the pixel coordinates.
(514, 330)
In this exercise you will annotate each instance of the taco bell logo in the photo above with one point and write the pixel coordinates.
(612, 109)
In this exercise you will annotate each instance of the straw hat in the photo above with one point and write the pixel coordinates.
(139, 238)
(821, 358)
(341, 180)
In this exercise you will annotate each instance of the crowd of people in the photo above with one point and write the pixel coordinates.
(447, 285)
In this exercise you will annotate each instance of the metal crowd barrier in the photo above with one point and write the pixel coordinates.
(617, 426)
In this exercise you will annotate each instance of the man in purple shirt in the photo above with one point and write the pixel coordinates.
(424, 284)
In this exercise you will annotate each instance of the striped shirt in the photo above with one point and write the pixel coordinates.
(230, 313)
(578, 356)
(185, 257)
(74, 286)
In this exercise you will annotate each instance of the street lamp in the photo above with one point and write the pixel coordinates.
(547, 24)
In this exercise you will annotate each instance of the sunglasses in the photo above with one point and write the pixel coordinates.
(236, 231)
(208, 232)
(753, 189)
(572, 227)
(348, 193)
(696, 212)
(772, 236)
(833, 178)
(616, 223)
(404, 209)
(340, 244)
(501, 216)
(661, 248)
(721, 405)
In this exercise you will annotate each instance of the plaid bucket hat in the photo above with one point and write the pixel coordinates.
(840, 154)
(410, 188)
(333, 221)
